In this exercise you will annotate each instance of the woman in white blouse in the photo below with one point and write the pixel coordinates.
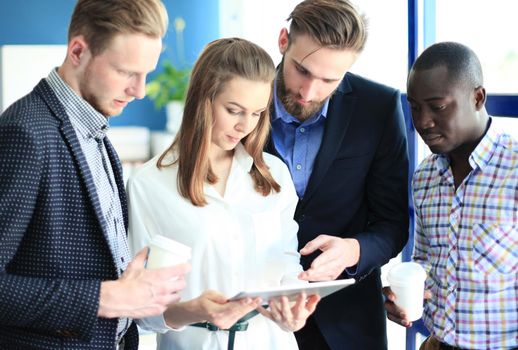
(215, 190)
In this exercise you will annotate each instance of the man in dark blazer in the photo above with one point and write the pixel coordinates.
(65, 281)
(343, 138)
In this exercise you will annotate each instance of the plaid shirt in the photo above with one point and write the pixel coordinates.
(467, 239)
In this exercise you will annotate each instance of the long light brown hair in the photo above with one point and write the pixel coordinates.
(219, 62)
(100, 20)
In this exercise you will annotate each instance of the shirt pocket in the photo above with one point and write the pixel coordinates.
(495, 248)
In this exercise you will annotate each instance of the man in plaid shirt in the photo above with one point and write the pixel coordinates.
(466, 200)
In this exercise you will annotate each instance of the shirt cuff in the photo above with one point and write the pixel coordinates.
(352, 270)
(157, 324)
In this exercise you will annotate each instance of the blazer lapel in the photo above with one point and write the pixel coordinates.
(70, 137)
(339, 114)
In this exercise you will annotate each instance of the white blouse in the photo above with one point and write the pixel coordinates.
(240, 241)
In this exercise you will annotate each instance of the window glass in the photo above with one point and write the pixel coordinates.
(257, 21)
(488, 27)
(385, 57)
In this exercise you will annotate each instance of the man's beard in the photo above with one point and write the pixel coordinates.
(289, 99)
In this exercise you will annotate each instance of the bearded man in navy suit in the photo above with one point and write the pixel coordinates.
(343, 139)
(66, 280)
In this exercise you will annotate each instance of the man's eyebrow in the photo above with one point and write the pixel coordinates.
(300, 65)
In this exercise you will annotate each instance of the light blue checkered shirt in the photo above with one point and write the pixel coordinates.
(467, 239)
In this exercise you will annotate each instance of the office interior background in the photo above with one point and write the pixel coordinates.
(33, 34)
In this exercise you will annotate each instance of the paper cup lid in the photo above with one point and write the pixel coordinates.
(171, 245)
(406, 272)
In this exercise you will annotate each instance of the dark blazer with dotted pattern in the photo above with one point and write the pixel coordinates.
(54, 250)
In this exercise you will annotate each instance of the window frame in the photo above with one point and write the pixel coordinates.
(422, 35)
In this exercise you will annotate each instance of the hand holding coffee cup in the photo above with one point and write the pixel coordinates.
(407, 283)
(165, 252)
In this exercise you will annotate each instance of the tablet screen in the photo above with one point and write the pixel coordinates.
(321, 288)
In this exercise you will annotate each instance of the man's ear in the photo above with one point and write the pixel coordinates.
(480, 97)
(284, 41)
(77, 50)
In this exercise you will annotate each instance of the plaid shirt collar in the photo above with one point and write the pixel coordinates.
(481, 155)
(86, 119)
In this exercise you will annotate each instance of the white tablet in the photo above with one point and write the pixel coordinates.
(321, 288)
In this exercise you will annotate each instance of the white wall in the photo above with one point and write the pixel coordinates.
(257, 21)
(22, 67)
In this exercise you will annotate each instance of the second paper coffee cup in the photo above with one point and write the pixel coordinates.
(407, 283)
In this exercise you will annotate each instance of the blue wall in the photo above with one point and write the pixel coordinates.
(46, 22)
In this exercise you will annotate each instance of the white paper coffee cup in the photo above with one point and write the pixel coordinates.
(407, 283)
(165, 252)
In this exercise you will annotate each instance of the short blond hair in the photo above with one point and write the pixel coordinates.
(100, 20)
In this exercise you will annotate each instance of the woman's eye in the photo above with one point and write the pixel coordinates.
(233, 111)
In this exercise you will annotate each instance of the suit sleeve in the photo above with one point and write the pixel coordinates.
(387, 196)
(36, 302)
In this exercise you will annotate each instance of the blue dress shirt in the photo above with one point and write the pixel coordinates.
(297, 143)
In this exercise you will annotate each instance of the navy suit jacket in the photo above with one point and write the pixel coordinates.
(53, 241)
(358, 188)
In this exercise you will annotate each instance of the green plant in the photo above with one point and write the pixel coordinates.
(171, 83)
(168, 85)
